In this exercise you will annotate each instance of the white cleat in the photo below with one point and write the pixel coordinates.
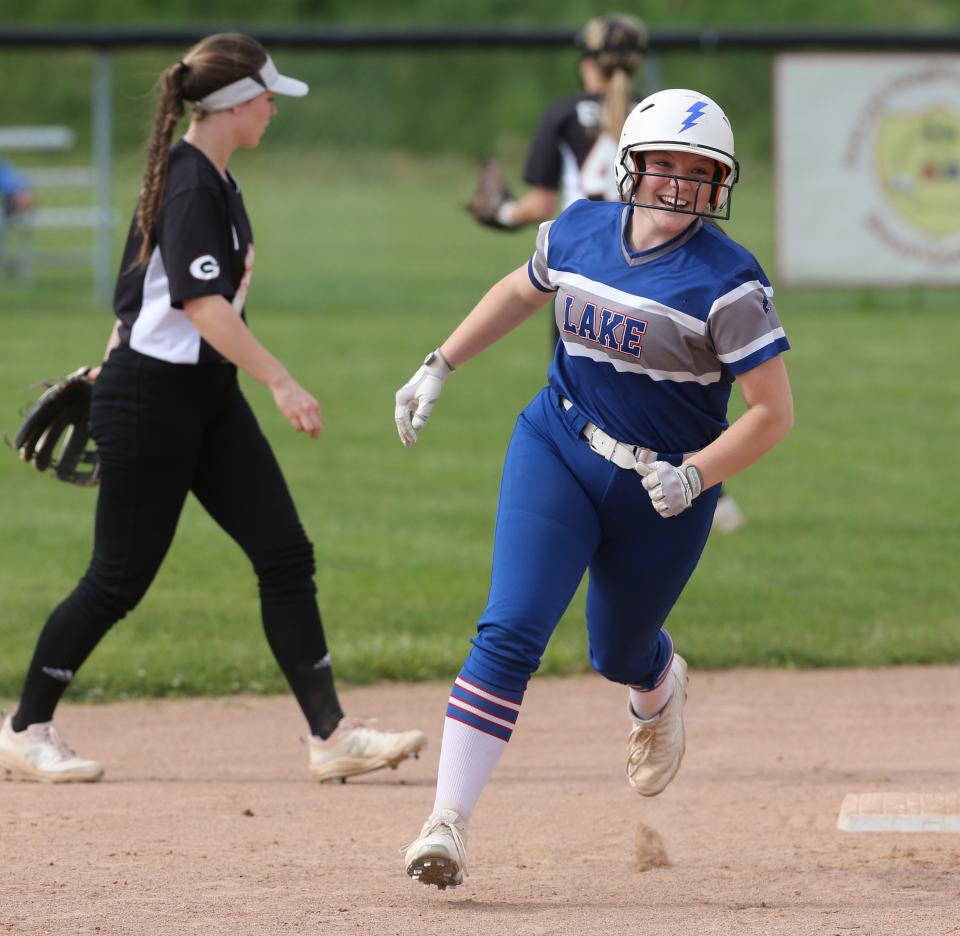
(356, 748)
(439, 855)
(728, 518)
(655, 747)
(40, 753)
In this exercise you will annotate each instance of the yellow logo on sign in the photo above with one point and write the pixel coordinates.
(918, 156)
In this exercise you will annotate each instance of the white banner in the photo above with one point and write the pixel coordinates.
(867, 169)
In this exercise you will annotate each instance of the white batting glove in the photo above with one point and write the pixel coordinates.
(415, 399)
(671, 489)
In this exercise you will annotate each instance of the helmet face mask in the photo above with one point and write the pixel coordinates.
(679, 121)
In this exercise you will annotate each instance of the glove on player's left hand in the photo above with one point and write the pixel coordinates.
(415, 399)
(671, 489)
(490, 196)
(55, 432)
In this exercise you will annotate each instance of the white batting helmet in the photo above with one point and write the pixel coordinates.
(679, 120)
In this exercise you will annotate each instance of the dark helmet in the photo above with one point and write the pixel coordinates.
(616, 41)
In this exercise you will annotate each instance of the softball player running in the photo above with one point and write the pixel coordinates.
(614, 465)
(574, 154)
(169, 419)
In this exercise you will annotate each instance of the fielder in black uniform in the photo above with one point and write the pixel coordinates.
(574, 148)
(169, 419)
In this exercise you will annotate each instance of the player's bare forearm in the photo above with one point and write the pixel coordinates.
(223, 329)
(509, 303)
(767, 420)
(113, 341)
(537, 205)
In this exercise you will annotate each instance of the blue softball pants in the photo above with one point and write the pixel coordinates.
(564, 510)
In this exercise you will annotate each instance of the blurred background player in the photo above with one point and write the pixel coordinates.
(17, 200)
(574, 151)
(574, 147)
(614, 466)
(169, 419)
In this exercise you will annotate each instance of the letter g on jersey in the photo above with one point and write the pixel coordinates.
(205, 268)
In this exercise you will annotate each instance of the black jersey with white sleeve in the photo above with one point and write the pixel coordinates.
(572, 153)
(203, 247)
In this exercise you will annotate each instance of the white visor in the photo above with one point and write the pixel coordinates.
(246, 89)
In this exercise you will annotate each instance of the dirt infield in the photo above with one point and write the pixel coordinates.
(207, 821)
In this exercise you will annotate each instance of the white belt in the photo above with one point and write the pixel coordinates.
(606, 446)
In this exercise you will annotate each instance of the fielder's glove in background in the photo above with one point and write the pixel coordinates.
(490, 197)
(55, 432)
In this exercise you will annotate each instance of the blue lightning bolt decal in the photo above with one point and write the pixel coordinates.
(696, 112)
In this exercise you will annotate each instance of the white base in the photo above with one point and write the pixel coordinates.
(900, 812)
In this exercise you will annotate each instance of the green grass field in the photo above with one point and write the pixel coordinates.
(365, 263)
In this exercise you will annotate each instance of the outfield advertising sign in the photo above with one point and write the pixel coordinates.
(867, 169)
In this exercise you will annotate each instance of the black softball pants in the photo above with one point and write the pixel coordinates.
(164, 430)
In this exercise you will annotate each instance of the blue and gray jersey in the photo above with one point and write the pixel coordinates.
(651, 341)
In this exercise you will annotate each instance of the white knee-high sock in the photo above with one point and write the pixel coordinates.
(649, 702)
(468, 757)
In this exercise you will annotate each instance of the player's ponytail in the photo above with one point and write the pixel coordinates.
(168, 116)
(211, 64)
(617, 102)
(616, 43)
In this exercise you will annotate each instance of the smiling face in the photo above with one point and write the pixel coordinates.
(673, 186)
